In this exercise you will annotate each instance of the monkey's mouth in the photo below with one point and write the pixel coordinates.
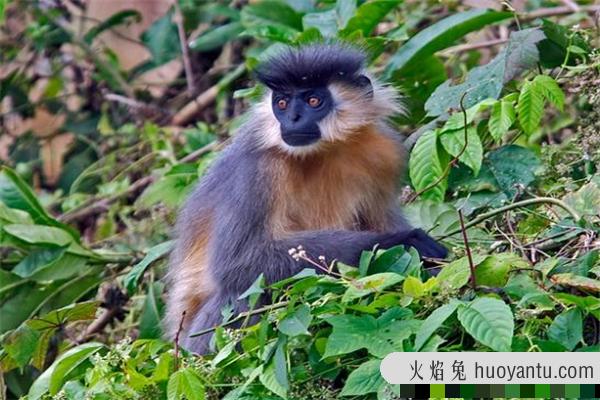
(302, 138)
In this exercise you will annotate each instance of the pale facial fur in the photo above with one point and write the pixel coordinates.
(353, 110)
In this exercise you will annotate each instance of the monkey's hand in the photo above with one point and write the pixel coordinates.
(425, 244)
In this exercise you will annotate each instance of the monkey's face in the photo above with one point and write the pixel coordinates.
(299, 112)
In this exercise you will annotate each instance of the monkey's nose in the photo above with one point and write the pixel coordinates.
(295, 117)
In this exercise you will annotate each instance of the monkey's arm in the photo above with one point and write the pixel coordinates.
(238, 269)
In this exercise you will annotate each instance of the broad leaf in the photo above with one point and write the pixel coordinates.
(433, 322)
(368, 15)
(454, 143)
(39, 234)
(370, 284)
(530, 107)
(439, 36)
(364, 380)
(490, 321)
(567, 329)
(380, 337)
(511, 166)
(456, 274)
(550, 90)
(487, 81)
(185, 383)
(501, 119)
(296, 323)
(426, 167)
(162, 40)
(217, 37)
(153, 254)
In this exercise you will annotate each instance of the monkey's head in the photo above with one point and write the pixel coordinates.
(319, 94)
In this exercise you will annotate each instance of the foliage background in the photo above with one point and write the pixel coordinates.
(110, 111)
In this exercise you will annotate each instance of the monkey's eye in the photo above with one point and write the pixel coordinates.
(282, 104)
(314, 101)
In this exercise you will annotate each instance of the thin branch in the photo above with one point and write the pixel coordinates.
(185, 50)
(572, 5)
(242, 316)
(519, 204)
(474, 46)
(179, 330)
(95, 205)
(556, 11)
(205, 98)
(468, 249)
(196, 154)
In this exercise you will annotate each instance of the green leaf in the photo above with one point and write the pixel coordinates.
(364, 380)
(501, 119)
(39, 234)
(217, 37)
(413, 287)
(589, 304)
(344, 9)
(324, 21)
(274, 376)
(370, 284)
(487, 81)
(169, 190)
(433, 322)
(122, 17)
(153, 254)
(185, 383)
(490, 321)
(368, 15)
(493, 271)
(456, 274)
(426, 167)
(15, 193)
(37, 260)
(296, 323)
(511, 166)
(67, 362)
(550, 90)
(271, 13)
(52, 379)
(162, 40)
(454, 142)
(439, 36)
(567, 329)
(152, 313)
(396, 259)
(71, 313)
(530, 107)
(380, 337)
(20, 344)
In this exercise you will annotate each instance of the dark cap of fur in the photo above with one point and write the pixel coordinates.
(311, 66)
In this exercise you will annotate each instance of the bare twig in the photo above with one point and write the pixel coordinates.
(242, 316)
(194, 155)
(572, 5)
(185, 50)
(205, 98)
(519, 204)
(474, 46)
(555, 11)
(179, 330)
(96, 205)
(468, 249)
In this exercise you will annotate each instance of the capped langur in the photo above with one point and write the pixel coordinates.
(315, 165)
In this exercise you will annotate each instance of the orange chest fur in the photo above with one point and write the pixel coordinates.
(347, 186)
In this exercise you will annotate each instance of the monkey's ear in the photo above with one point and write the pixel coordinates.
(364, 83)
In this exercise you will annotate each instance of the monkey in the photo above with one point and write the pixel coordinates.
(316, 164)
